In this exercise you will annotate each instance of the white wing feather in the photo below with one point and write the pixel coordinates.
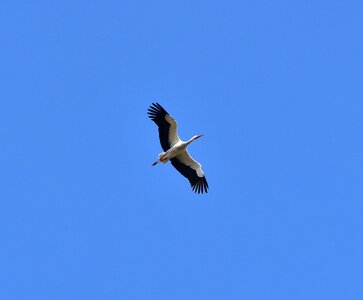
(187, 160)
(173, 131)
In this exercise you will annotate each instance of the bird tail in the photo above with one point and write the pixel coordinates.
(155, 163)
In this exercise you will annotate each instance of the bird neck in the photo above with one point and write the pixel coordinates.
(190, 141)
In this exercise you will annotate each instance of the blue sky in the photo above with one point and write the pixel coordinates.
(276, 86)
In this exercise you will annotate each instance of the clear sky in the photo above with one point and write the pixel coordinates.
(275, 86)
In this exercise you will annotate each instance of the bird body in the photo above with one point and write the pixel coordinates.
(175, 150)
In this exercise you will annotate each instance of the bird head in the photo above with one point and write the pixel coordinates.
(197, 136)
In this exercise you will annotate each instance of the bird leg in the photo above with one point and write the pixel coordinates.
(162, 159)
(155, 163)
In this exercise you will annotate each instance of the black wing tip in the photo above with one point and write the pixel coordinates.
(156, 111)
(200, 186)
(156, 107)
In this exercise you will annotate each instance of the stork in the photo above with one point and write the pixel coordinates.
(175, 150)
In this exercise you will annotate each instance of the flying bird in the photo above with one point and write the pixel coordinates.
(175, 150)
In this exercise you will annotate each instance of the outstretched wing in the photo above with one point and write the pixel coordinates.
(192, 170)
(168, 128)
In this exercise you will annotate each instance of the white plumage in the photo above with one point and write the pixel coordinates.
(175, 150)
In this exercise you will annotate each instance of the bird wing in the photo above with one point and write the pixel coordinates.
(192, 170)
(168, 128)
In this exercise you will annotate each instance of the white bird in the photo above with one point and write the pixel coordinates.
(175, 149)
